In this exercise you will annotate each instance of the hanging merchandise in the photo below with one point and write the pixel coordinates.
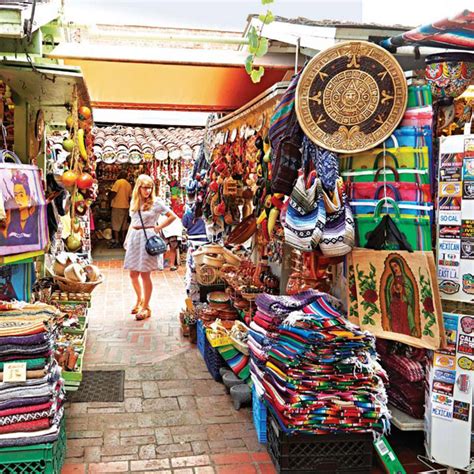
(25, 228)
(351, 97)
(396, 296)
(416, 229)
(456, 218)
(16, 281)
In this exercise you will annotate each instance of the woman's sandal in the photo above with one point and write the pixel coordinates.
(144, 313)
(137, 308)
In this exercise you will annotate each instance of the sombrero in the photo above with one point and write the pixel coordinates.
(351, 97)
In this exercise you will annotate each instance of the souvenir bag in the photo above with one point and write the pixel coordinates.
(339, 232)
(403, 157)
(407, 191)
(25, 227)
(367, 206)
(417, 229)
(154, 245)
(285, 137)
(398, 296)
(306, 215)
(411, 136)
(390, 174)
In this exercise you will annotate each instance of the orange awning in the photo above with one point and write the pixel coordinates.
(170, 86)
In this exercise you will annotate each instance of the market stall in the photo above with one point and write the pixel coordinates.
(46, 270)
(321, 199)
(166, 154)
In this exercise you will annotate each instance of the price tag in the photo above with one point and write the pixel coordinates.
(14, 372)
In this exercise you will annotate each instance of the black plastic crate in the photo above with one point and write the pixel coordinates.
(205, 290)
(322, 454)
(213, 360)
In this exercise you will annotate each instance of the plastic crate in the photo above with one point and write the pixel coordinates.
(324, 454)
(213, 360)
(201, 336)
(35, 459)
(259, 414)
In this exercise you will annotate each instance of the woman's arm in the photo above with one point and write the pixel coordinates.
(171, 216)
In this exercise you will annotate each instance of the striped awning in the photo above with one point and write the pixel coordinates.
(456, 32)
(134, 144)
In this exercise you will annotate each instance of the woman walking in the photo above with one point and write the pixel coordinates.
(145, 203)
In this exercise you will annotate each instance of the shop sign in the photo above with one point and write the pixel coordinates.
(444, 361)
(466, 344)
(452, 218)
(461, 410)
(448, 273)
(14, 372)
(451, 189)
(446, 376)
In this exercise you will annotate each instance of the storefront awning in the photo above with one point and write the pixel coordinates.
(456, 32)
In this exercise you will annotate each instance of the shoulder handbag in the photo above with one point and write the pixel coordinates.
(154, 245)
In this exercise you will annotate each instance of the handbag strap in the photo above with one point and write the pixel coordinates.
(143, 225)
(383, 154)
(390, 186)
(390, 168)
(9, 155)
(386, 200)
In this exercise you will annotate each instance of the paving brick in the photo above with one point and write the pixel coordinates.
(137, 432)
(149, 465)
(174, 449)
(197, 435)
(267, 468)
(231, 458)
(205, 470)
(261, 457)
(163, 436)
(84, 434)
(137, 440)
(133, 405)
(160, 404)
(190, 461)
(119, 466)
(92, 454)
(200, 447)
(112, 438)
(74, 469)
(183, 471)
(121, 457)
(83, 442)
(240, 468)
(133, 392)
(74, 452)
(186, 402)
(119, 450)
(150, 390)
(176, 392)
(147, 451)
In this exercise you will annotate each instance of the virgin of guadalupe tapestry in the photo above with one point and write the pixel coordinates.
(24, 225)
(395, 296)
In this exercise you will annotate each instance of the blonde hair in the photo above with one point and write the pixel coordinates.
(136, 202)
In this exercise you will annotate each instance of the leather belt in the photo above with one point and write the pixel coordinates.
(140, 228)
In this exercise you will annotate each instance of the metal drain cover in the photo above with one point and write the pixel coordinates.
(100, 386)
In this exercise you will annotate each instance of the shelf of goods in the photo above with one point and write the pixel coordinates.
(77, 337)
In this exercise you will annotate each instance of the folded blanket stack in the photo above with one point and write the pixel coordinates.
(31, 410)
(405, 367)
(318, 373)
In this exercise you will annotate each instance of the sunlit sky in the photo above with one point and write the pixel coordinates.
(232, 14)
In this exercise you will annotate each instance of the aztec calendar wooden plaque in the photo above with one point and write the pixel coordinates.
(351, 97)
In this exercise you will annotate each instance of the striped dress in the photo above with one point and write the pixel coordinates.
(136, 257)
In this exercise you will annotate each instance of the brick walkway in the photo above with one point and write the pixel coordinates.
(175, 418)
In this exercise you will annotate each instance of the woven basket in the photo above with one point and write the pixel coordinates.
(76, 286)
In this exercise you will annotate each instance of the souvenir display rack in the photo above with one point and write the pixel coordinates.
(386, 181)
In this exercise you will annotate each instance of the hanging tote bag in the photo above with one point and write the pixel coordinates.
(367, 206)
(407, 191)
(403, 157)
(338, 238)
(398, 296)
(306, 216)
(417, 229)
(390, 174)
(26, 224)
